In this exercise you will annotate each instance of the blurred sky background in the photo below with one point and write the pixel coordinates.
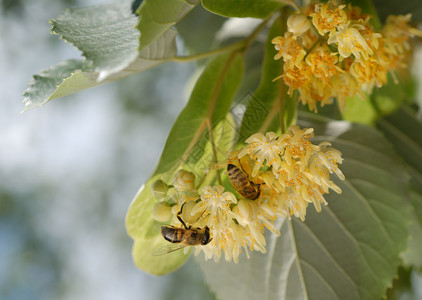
(69, 170)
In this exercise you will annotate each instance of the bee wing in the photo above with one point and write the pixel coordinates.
(157, 227)
(168, 249)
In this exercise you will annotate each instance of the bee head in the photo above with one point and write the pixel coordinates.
(230, 166)
(206, 239)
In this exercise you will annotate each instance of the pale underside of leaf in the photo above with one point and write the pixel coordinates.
(105, 34)
(350, 250)
(108, 39)
(72, 76)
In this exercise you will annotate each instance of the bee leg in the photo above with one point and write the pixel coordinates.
(180, 218)
(200, 216)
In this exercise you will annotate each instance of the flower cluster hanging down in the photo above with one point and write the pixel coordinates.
(332, 50)
(289, 172)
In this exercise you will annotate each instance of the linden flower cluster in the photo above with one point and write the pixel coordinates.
(290, 173)
(331, 50)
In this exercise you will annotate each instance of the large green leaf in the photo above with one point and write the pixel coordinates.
(195, 40)
(394, 7)
(348, 251)
(209, 102)
(404, 131)
(158, 16)
(263, 110)
(242, 8)
(368, 8)
(382, 101)
(73, 75)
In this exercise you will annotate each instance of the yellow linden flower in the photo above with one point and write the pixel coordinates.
(353, 12)
(371, 37)
(298, 24)
(398, 32)
(330, 158)
(214, 201)
(228, 238)
(361, 61)
(296, 77)
(369, 73)
(303, 177)
(262, 149)
(289, 48)
(345, 86)
(327, 17)
(296, 173)
(296, 144)
(389, 57)
(315, 92)
(322, 63)
(184, 181)
(350, 41)
(246, 213)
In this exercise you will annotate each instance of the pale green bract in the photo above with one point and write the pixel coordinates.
(187, 146)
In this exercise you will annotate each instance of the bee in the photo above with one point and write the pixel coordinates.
(180, 237)
(241, 183)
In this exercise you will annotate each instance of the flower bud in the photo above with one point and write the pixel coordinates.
(184, 181)
(186, 213)
(161, 212)
(298, 24)
(159, 190)
(175, 209)
(244, 212)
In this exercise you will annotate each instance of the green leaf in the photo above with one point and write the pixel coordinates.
(158, 16)
(209, 102)
(263, 111)
(368, 8)
(49, 83)
(394, 7)
(199, 40)
(72, 75)
(403, 130)
(348, 251)
(382, 101)
(242, 8)
(360, 111)
(413, 255)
